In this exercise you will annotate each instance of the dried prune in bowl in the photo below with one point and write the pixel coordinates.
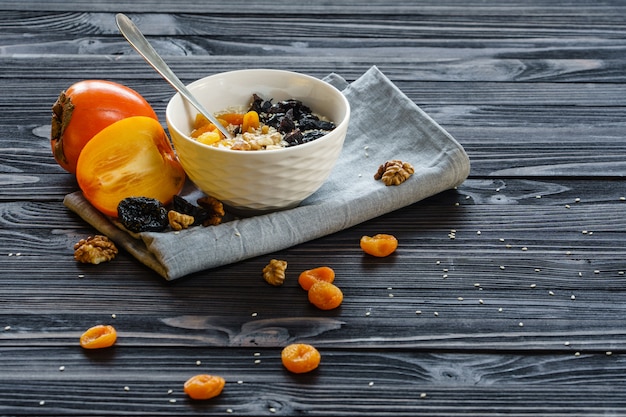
(142, 214)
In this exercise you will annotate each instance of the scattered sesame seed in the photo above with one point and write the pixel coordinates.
(237, 234)
(577, 200)
(573, 297)
(257, 353)
(240, 382)
(367, 313)
(508, 246)
(533, 285)
(418, 311)
(229, 410)
(597, 271)
(390, 295)
(272, 410)
(480, 301)
(18, 254)
(366, 147)
(445, 269)
(500, 310)
(61, 368)
(360, 175)
(551, 292)
(460, 298)
(478, 232)
(524, 248)
(457, 204)
(501, 266)
(609, 353)
(254, 314)
(467, 197)
(257, 361)
(371, 384)
(620, 273)
(501, 240)
(172, 400)
(198, 363)
(477, 285)
(423, 395)
(444, 276)
(584, 232)
(126, 388)
(580, 274)
(113, 316)
(590, 233)
(537, 270)
(622, 199)
(169, 392)
(537, 196)
(521, 324)
(81, 275)
(7, 328)
(177, 232)
(42, 402)
(568, 253)
(577, 354)
(438, 262)
(436, 314)
(567, 206)
(566, 343)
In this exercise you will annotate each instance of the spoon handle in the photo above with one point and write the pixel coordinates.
(136, 39)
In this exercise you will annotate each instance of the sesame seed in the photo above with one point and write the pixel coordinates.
(272, 410)
(497, 190)
(367, 313)
(113, 316)
(438, 262)
(478, 232)
(390, 295)
(521, 324)
(198, 363)
(573, 297)
(371, 384)
(566, 343)
(172, 400)
(257, 361)
(597, 271)
(237, 234)
(126, 388)
(42, 402)
(229, 410)
(501, 266)
(418, 311)
(567, 206)
(254, 314)
(622, 199)
(620, 273)
(460, 298)
(584, 232)
(551, 292)
(508, 246)
(477, 285)
(609, 353)
(169, 392)
(524, 248)
(537, 270)
(577, 200)
(480, 301)
(7, 328)
(257, 353)
(533, 285)
(580, 274)
(444, 276)
(240, 382)
(81, 275)
(423, 395)
(577, 354)
(568, 253)
(61, 368)
(457, 204)
(436, 314)
(501, 240)
(500, 310)
(537, 196)
(445, 269)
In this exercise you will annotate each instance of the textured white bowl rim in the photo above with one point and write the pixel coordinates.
(186, 136)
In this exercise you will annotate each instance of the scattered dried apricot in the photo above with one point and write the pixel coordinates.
(311, 276)
(379, 245)
(203, 386)
(300, 358)
(325, 295)
(98, 337)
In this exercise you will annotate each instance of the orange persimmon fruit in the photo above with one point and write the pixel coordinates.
(84, 109)
(379, 245)
(130, 158)
(300, 358)
(325, 295)
(98, 337)
(204, 386)
(311, 276)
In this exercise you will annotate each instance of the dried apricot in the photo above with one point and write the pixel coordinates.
(300, 358)
(204, 386)
(379, 245)
(98, 337)
(325, 295)
(311, 276)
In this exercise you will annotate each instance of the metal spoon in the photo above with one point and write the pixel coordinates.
(136, 39)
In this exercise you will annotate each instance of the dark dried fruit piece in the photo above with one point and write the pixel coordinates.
(199, 214)
(142, 214)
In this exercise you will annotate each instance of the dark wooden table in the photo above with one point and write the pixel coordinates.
(506, 296)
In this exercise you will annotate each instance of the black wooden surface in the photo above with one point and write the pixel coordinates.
(521, 314)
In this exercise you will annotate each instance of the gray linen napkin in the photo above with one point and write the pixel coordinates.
(384, 125)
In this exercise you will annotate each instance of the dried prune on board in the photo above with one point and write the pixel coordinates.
(142, 214)
(200, 214)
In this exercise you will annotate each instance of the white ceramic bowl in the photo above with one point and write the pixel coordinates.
(251, 182)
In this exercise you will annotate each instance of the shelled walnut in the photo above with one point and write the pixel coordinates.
(95, 250)
(179, 221)
(394, 172)
(274, 272)
(214, 207)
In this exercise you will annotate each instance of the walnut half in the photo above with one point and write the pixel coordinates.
(94, 250)
(179, 221)
(394, 172)
(274, 272)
